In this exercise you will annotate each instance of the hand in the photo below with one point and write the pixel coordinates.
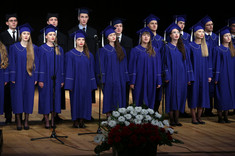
(166, 81)
(158, 86)
(62, 84)
(132, 86)
(209, 79)
(189, 83)
(41, 84)
(35, 82)
(13, 82)
(5, 83)
(216, 82)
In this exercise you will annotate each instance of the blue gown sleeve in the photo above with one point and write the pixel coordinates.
(167, 61)
(125, 66)
(159, 67)
(132, 66)
(92, 72)
(12, 65)
(36, 62)
(189, 67)
(100, 66)
(69, 75)
(42, 67)
(62, 65)
(210, 59)
(217, 66)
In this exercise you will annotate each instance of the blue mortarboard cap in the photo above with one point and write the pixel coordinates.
(78, 34)
(195, 28)
(108, 30)
(150, 18)
(178, 18)
(231, 21)
(117, 20)
(48, 28)
(25, 27)
(145, 29)
(221, 32)
(205, 19)
(84, 10)
(171, 27)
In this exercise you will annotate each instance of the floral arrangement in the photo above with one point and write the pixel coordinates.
(133, 130)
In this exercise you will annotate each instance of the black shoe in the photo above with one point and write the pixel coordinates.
(201, 122)
(82, 125)
(221, 121)
(195, 123)
(179, 124)
(19, 128)
(47, 127)
(226, 120)
(26, 127)
(75, 126)
(173, 124)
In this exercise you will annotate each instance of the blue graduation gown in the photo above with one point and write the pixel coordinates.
(212, 41)
(179, 72)
(80, 80)
(198, 92)
(186, 38)
(145, 75)
(22, 92)
(4, 77)
(225, 75)
(46, 71)
(114, 76)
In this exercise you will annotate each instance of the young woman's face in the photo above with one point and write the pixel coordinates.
(199, 34)
(227, 38)
(51, 36)
(80, 42)
(175, 34)
(153, 25)
(25, 35)
(53, 21)
(145, 37)
(112, 37)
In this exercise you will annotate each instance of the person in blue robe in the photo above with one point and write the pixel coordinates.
(23, 75)
(50, 53)
(145, 70)
(80, 79)
(4, 74)
(212, 41)
(111, 62)
(198, 91)
(152, 22)
(180, 20)
(225, 76)
(178, 73)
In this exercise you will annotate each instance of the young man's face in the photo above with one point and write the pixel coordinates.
(83, 18)
(53, 21)
(12, 23)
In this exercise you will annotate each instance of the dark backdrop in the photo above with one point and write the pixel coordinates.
(103, 11)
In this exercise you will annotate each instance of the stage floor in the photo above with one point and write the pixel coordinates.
(212, 139)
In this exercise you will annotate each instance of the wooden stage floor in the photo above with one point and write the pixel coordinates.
(211, 139)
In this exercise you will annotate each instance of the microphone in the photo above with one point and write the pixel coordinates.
(55, 44)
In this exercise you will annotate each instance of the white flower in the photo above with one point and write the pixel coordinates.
(133, 112)
(116, 114)
(136, 121)
(112, 123)
(128, 116)
(127, 123)
(122, 110)
(151, 111)
(144, 112)
(130, 108)
(139, 117)
(170, 130)
(148, 118)
(138, 109)
(158, 115)
(166, 123)
(98, 138)
(121, 119)
(154, 122)
(104, 123)
(160, 124)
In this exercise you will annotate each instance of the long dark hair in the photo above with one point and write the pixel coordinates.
(149, 49)
(119, 50)
(180, 46)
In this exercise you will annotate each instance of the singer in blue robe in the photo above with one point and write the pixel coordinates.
(4, 78)
(80, 80)
(225, 76)
(22, 91)
(46, 71)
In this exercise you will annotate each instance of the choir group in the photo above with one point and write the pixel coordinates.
(199, 67)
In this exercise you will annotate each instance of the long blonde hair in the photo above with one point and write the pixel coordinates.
(30, 66)
(4, 56)
(204, 46)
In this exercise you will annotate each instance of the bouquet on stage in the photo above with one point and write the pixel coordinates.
(134, 130)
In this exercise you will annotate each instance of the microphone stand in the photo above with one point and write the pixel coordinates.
(101, 88)
(53, 134)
